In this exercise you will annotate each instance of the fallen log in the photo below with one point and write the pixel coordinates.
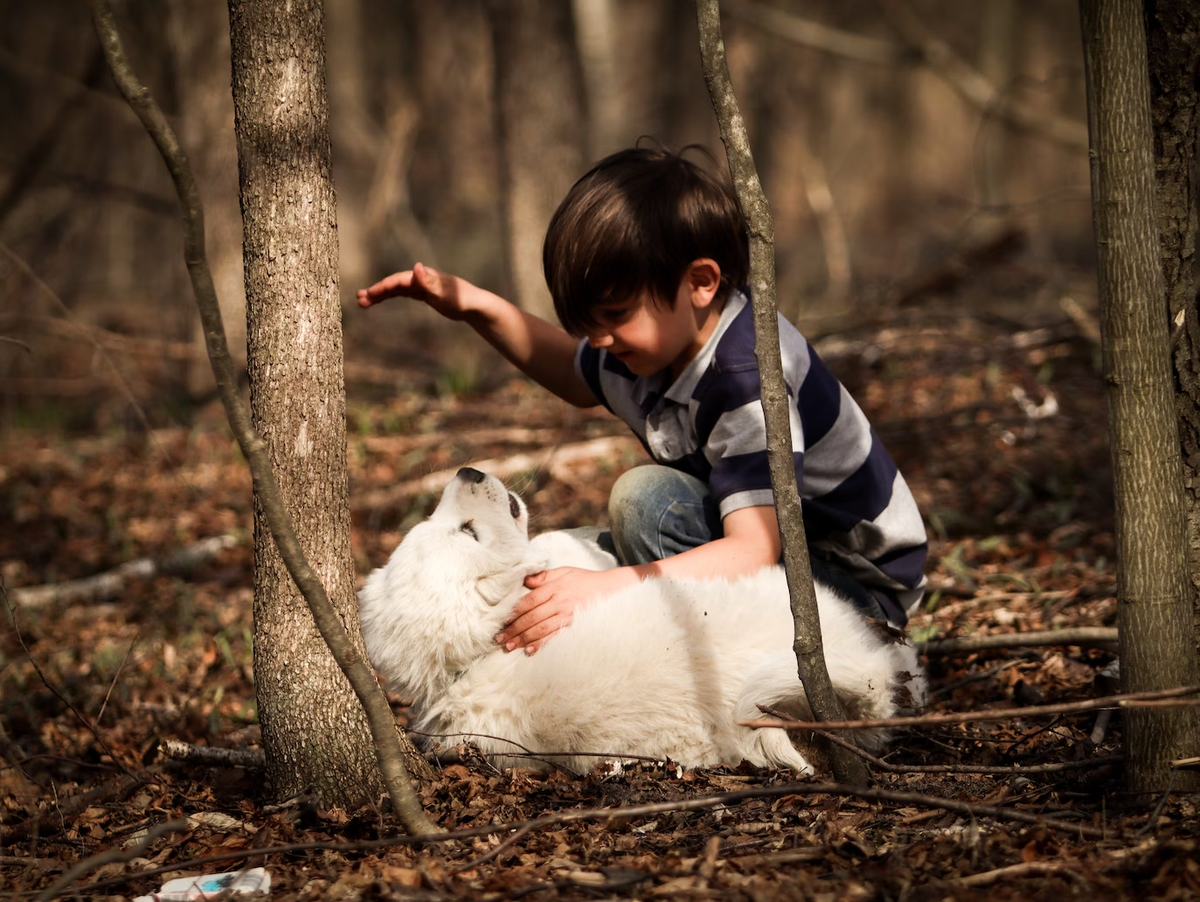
(111, 583)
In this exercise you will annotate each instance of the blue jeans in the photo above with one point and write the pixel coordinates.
(655, 512)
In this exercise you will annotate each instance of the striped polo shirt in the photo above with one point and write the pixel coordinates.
(709, 423)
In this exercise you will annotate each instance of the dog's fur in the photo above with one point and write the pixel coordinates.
(665, 669)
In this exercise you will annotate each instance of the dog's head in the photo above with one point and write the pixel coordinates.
(442, 596)
(487, 527)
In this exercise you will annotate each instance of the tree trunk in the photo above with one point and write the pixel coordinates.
(315, 735)
(1173, 38)
(1153, 600)
(540, 118)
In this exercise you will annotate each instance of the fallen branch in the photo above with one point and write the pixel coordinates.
(557, 460)
(1154, 698)
(111, 583)
(1086, 636)
(1017, 871)
(176, 750)
(115, 854)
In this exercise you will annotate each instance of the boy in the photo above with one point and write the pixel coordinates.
(645, 259)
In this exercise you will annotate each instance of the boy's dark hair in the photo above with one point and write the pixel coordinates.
(635, 222)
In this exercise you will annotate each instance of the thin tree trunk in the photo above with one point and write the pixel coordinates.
(809, 648)
(1153, 599)
(315, 734)
(1173, 40)
(541, 124)
(383, 728)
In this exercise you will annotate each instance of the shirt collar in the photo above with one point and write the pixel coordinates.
(681, 390)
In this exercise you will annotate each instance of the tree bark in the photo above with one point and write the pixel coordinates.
(541, 124)
(1154, 603)
(808, 645)
(1173, 40)
(315, 734)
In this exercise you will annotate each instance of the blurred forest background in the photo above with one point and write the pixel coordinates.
(906, 148)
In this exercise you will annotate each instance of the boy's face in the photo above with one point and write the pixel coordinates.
(649, 337)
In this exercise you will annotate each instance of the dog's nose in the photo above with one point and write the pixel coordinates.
(471, 474)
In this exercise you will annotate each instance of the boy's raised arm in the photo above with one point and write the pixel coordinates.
(541, 350)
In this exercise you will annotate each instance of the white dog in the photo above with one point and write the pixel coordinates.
(665, 669)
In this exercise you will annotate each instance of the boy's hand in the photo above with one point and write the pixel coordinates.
(443, 292)
(551, 604)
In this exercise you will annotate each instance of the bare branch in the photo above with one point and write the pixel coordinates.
(1153, 698)
(822, 37)
(922, 47)
(973, 87)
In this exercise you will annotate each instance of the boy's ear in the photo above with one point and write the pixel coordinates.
(703, 279)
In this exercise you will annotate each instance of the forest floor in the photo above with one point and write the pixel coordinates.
(1001, 432)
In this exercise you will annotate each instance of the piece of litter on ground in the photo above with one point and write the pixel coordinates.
(209, 886)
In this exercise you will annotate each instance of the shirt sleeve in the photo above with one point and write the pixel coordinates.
(587, 368)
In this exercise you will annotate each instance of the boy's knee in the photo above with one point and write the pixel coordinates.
(655, 511)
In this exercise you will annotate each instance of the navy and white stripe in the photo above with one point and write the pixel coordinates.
(709, 423)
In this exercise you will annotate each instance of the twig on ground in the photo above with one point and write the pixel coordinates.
(111, 583)
(996, 770)
(1155, 698)
(251, 759)
(15, 341)
(109, 856)
(117, 676)
(1087, 636)
(489, 855)
(1017, 871)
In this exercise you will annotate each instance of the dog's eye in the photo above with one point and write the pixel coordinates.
(514, 506)
(469, 529)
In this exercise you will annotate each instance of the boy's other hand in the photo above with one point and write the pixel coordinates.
(441, 291)
(551, 605)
